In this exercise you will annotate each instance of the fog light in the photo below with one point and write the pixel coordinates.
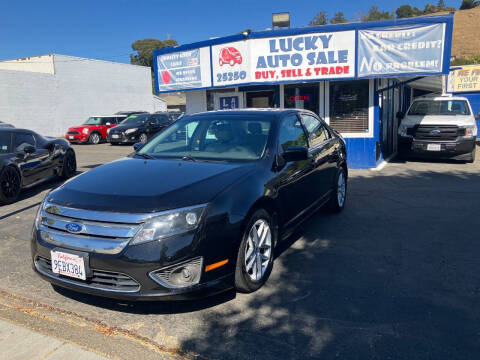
(191, 218)
(180, 275)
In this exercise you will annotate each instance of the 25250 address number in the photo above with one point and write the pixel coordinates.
(231, 76)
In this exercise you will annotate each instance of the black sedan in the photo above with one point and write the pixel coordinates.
(27, 158)
(198, 209)
(138, 128)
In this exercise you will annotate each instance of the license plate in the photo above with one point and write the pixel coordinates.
(434, 147)
(68, 264)
(71, 137)
(115, 136)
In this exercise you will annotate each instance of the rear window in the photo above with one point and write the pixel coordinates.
(5, 143)
(439, 107)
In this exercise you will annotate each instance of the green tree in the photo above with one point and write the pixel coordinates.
(430, 9)
(338, 18)
(319, 19)
(375, 14)
(144, 49)
(467, 4)
(406, 11)
(441, 5)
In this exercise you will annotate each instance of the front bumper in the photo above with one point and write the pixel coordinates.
(77, 138)
(454, 149)
(122, 138)
(136, 263)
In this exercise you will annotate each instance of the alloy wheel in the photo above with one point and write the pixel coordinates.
(258, 251)
(10, 183)
(143, 138)
(95, 138)
(341, 189)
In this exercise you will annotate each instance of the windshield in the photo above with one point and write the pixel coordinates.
(215, 137)
(439, 107)
(175, 116)
(94, 120)
(135, 119)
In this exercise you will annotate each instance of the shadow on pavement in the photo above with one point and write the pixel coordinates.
(394, 276)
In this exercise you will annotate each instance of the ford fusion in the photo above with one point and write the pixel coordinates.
(197, 210)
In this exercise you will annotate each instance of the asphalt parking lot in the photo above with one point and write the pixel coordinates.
(395, 276)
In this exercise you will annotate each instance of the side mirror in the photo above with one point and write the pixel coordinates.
(295, 153)
(29, 149)
(138, 146)
(400, 115)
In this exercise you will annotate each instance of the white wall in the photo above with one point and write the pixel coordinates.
(42, 64)
(196, 101)
(49, 104)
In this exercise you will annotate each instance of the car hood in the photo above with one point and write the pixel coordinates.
(459, 120)
(81, 127)
(141, 186)
(123, 127)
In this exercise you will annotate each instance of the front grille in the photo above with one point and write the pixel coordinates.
(436, 132)
(73, 133)
(102, 280)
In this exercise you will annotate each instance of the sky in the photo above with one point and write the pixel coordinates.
(105, 29)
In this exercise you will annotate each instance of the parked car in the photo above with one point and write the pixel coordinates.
(180, 218)
(128, 113)
(438, 127)
(138, 128)
(230, 55)
(175, 115)
(94, 130)
(27, 158)
(2, 124)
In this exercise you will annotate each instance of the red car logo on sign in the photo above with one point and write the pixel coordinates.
(230, 55)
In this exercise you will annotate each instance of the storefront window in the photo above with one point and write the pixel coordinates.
(349, 106)
(302, 96)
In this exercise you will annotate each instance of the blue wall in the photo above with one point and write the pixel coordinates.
(361, 153)
(475, 102)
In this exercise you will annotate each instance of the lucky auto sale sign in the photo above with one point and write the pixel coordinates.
(278, 59)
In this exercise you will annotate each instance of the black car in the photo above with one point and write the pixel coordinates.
(128, 113)
(198, 209)
(27, 158)
(138, 128)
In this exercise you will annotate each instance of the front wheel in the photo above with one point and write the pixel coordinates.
(94, 138)
(255, 255)
(69, 165)
(10, 185)
(339, 195)
(471, 159)
(143, 138)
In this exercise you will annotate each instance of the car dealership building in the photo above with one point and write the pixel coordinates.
(356, 76)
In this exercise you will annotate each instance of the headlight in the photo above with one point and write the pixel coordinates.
(38, 218)
(129, 131)
(85, 131)
(470, 130)
(108, 130)
(170, 223)
(402, 130)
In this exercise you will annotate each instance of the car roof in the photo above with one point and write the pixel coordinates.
(440, 97)
(272, 112)
(16, 130)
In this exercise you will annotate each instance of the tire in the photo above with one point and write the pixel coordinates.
(472, 157)
(10, 185)
(232, 62)
(143, 138)
(94, 138)
(69, 165)
(339, 196)
(247, 278)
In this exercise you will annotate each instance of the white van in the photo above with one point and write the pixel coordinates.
(438, 127)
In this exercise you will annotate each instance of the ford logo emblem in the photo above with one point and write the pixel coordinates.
(74, 228)
(435, 132)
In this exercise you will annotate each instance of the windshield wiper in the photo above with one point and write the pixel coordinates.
(145, 156)
(188, 158)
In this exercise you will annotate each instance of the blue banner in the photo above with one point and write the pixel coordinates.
(179, 70)
(401, 50)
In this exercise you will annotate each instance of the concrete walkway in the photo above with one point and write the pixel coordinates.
(19, 343)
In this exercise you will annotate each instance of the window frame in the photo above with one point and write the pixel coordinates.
(14, 141)
(305, 132)
(321, 123)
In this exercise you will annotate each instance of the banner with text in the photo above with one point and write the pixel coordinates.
(466, 79)
(401, 50)
(184, 70)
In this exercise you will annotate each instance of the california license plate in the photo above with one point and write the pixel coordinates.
(71, 137)
(115, 136)
(434, 147)
(68, 264)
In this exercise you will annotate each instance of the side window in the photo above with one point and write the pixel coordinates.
(23, 140)
(291, 133)
(317, 133)
(5, 142)
(163, 120)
